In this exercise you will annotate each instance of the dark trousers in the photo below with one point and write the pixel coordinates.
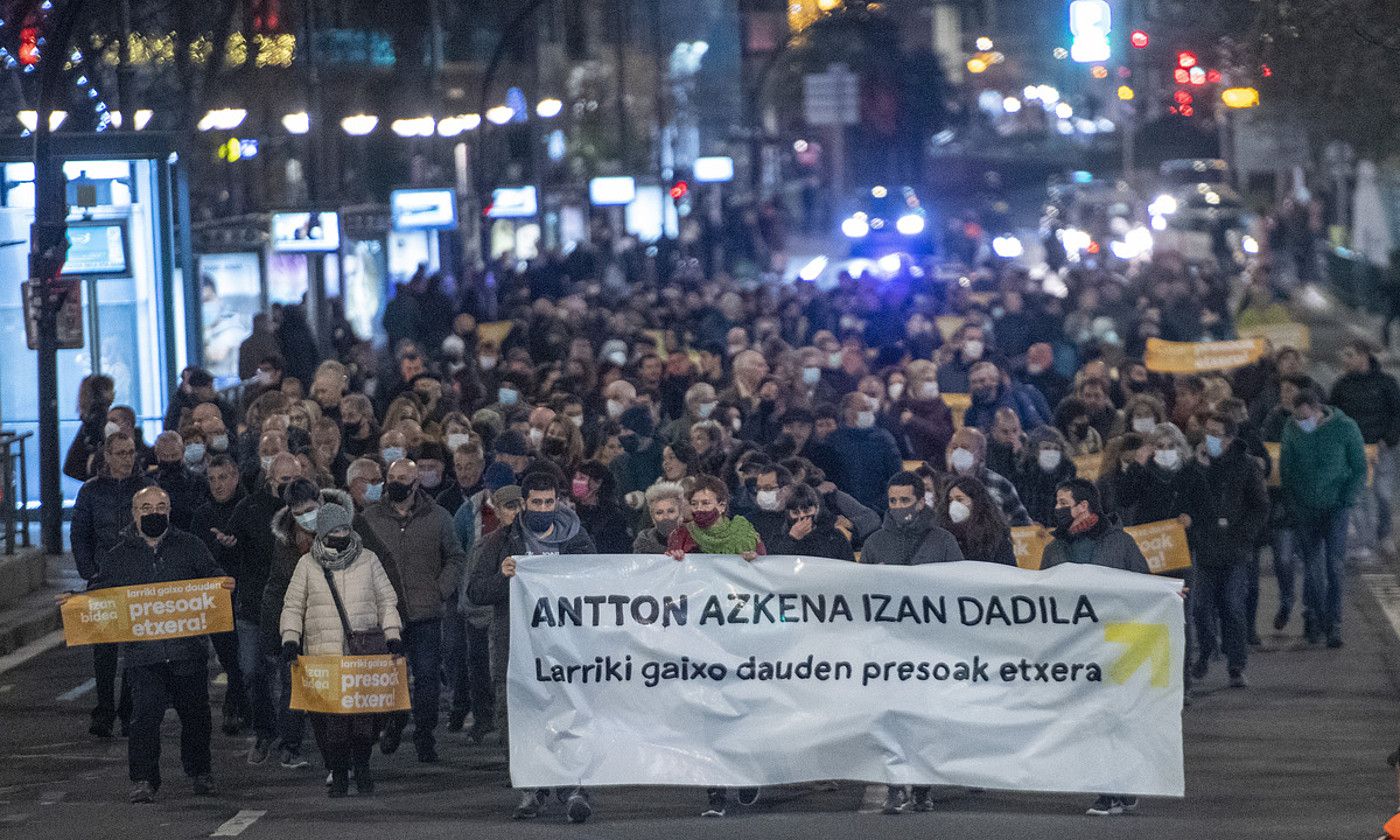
(109, 708)
(467, 663)
(1322, 544)
(1251, 599)
(262, 711)
(236, 693)
(422, 645)
(345, 739)
(1220, 597)
(183, 686)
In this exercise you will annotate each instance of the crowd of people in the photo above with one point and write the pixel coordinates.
(378, 504)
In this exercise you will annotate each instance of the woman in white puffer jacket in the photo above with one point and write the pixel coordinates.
(311, 624)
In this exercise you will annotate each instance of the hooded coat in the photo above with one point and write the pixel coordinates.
(427, 556)
(284, 562)
(912, 543)
(309, 615)
(1106, 544)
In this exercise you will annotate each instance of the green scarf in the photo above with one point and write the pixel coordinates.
(727, 536)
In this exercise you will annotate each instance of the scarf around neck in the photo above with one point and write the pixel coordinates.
(336, 561)
(727, 536)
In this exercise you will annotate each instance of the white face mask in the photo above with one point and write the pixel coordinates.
(929, 390)
(833, 361)
(1167, 459)
(865, 420)
(266, 462)
(536, 437)
(896, 390)
(929, 498)
(391, 453)
(455, 440)
(615, 409)
(736, 424)
(973, 349)
(1144, 425)
(766, 500)
(618, 358)
(110, 429)
(307, 520)
(218, 443)
(1049, 459)
(705, 409)
(487, 362)
(811, 375)
(962, 460)
(577, 420)
(958, 512)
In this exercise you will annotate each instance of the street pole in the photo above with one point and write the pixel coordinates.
(48, 249)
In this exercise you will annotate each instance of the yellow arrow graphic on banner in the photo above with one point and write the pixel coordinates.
(1145, 642)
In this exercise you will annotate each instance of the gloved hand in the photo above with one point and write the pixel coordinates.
(395, 646)
(290, 651)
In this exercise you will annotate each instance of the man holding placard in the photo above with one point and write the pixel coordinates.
(163, 672)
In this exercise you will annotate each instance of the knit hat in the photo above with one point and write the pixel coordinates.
(638, 419)
(497, 475)
(505, 495)
(512, 442)
(488, 418)
(330, 517)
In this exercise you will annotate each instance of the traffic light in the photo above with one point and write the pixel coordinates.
(1186, 59)
(29, 45)
(1139, 39)
(679, 190)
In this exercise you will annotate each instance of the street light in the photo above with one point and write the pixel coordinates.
(548, 108)
(143, 118)
(297, 123)
(358, 125)
(30, 119)
(222, 119)
(453, 126)
(414, 126)
(500, 114)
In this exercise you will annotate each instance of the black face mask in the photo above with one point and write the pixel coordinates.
(630, 443)
(1064, 517)
(335, 543)
(398, 491)
(154, 525)
(169, 465)
(555, 447)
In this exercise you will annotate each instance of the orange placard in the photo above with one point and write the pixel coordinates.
(1201, 356)
(1288, 334)
(958, 404)
(948, 324)
(494, 332)
(1163, 544)
(1028, 543)
(1089, 466)
(149, 612)
(350, 685)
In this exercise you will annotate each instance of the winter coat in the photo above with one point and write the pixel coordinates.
(100, 514)
(427, 555)
(1372, 399)
(1002, 553)
(609, 527)
(1241, 503)
(823, 541)
(638, 470)
(865, 460)
(1004, 493)
(1027, 402)
(1324, 470)
(466, 519)
(919, 542)
(291, 542)
(309, 615)
(255, 549)
(1036, 487)
(212, 515)
(1156, 494)
(929, 428)
(649, 541)
(863, 520)
(132, 562)
(187, 490)
(1106, 544)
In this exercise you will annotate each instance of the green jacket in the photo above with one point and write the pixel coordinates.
(1322, 471)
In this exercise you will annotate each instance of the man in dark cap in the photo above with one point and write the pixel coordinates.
(513, 450)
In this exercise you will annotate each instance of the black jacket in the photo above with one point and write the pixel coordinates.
(251, 525)
(608, 526)
(1241, 504)
(1106, 544)
(178, 556)
(188, 491)
(1036, 487)
(1372, 399)
(1155, 494)
(101, 512)
(823, 541)
(213, 515)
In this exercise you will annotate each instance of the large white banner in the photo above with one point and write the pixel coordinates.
(712, 671)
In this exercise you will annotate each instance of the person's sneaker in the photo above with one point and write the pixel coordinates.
(1127, 804)
(364, 780)
(257, 753)
(1334, 640)
(427, 753)
(1105, 806)
(141, 793)
(1281, 619)
(1200, 668)
(204, 785)
(749, 796)
(391, 738)
(896, 800)
(716, 807)
(292, 759)
(923, 800)
(1237, 680)
(531, 805)
(578, 807)
(456, 721)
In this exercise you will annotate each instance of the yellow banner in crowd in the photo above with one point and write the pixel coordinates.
(1201, 356)
(1028, 544)
(1163, 544)
(148, 612)
(1275, 450)
(958, 404)
(494, 332)
(348, 685)
(1290, 334)
(1088, 467)
(948, 324)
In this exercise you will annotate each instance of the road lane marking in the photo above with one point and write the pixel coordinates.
(52, 797)
(1386, 590)
(238, 824)
(43, 644)
(78, 691)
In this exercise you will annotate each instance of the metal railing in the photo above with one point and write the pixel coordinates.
(14, 508)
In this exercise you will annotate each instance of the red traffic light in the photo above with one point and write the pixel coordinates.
(679, 189)
(29, 45)
(1181, 76)
(1186, 59)
(1139, 39)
